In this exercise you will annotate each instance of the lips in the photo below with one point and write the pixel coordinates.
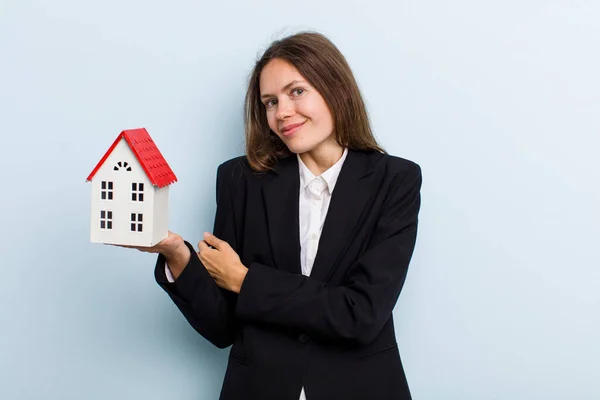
(290, 129)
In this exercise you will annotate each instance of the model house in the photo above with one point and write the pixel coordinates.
(130, 192)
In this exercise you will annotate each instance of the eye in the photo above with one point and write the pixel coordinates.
(270, 103)
(298, 90)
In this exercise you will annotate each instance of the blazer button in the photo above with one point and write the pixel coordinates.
(303, 338)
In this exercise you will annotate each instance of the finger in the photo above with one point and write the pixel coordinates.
(202, 245)
(214, 241)
(204, 255)
(202, 258)
(125, 246)
(210, 273)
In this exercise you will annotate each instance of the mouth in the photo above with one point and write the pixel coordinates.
(291, 129)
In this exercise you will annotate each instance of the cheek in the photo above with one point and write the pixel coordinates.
(271, 120)
(318, 111)
(322, 118)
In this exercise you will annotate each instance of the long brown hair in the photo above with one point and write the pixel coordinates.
(321, 63)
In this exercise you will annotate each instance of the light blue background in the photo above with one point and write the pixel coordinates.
(498, 101)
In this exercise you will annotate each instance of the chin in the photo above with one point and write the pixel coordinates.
(304, 142)
(299, 149)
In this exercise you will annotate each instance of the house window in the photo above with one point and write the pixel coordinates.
(137, 192)
(105, 219)
(107, 190)
(136, 222)
(122, 164)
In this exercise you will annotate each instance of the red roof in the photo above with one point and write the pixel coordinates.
(152, 161)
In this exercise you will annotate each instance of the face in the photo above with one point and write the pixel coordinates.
(296, 112)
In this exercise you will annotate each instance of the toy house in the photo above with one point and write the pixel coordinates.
(130, 192)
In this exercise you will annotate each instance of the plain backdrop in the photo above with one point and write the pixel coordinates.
(498, 101)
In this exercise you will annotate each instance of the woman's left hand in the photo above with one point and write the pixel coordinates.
(222, 263)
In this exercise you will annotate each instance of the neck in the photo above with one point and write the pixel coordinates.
(322, 158)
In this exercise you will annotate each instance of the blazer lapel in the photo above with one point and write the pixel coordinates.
(281, 196)
(349, 198)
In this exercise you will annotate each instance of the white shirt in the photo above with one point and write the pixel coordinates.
(315, 196)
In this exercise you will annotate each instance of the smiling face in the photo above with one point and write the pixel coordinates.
(295, 111)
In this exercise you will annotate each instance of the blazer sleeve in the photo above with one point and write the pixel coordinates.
(208, 308)
(357, 311)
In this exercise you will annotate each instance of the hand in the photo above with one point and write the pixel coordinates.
(168, 246)
(222, 263)
(173, 248)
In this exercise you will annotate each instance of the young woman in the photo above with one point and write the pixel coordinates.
(314, 231)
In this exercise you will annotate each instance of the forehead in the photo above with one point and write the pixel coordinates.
(276, 74)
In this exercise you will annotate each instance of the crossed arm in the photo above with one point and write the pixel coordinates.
(215, 292)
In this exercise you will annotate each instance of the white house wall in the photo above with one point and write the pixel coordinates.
(122, 205)
(161, 213)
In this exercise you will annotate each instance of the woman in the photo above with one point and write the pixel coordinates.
(300, 278)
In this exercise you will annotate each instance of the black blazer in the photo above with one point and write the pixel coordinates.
(332, 332)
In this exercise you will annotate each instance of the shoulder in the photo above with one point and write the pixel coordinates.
(402, 165)
(237, 171)
(400, 178)
(398, 168)
(391, 166)
(236, 165)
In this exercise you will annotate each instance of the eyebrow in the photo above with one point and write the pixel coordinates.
(286, 87)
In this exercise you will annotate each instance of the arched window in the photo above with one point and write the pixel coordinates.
(122, 164)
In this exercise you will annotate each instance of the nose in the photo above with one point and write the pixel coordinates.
(285, 108)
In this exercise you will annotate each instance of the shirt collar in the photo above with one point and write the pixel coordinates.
(330, 176)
